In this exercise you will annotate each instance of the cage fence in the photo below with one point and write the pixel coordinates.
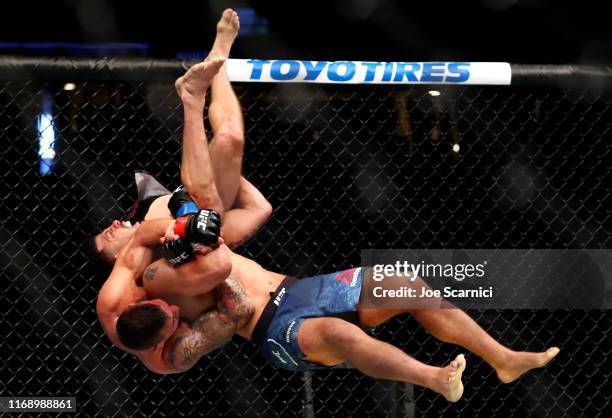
(345, 168)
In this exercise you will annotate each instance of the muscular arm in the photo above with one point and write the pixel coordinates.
(121, 289)
(251, 211)
(211, 330)
(195, 277)
(150, 232)
(130, 264)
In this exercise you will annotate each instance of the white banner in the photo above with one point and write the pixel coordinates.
(368, 72)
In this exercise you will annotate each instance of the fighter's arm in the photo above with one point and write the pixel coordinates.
(207, 333)
(251, 211)
(130, 264)
(194, 277)
(121, 289)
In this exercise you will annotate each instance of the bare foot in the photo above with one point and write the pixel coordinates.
(523, 362)
(197, 79)
(450, 384)
(227, 30)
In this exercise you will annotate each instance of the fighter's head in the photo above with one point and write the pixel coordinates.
(107, 243)
(145, 324)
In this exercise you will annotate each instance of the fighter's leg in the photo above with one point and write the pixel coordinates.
(251, 210)
(225, 116)
(331, 341)
(454, 326)
(197, 173)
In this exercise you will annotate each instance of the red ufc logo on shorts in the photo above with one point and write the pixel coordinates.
(345, 276)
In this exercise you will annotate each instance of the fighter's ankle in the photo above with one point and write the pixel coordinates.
(191, 100)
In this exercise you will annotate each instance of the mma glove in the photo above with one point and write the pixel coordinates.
(181, 203)
(196, 229)
(202, 227)
(177, 251)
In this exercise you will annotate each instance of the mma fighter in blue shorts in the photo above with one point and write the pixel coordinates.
(296, 324)
(202, 293)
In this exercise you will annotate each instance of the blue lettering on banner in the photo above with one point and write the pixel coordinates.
(388, 71)
(433, 71)
(371, 70)
(313, 70)
(462, 73)
(349, 72)
(403, 71)
(343, 71)
(276, 73)
(257, 67)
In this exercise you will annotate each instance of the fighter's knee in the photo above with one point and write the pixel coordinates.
(368, 321)
(231, 137)
(265, 210)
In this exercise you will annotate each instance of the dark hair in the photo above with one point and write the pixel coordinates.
(99, 266)
(138, 327)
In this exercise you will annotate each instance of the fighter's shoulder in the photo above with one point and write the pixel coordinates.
(161, 359)
(154, 360)
(159, 208)
(109, 324)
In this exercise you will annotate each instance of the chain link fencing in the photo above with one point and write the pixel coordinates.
(345, 168)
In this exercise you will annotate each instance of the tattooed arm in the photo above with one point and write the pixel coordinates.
(122, 288)
(119, 289)
(196, 277)
(250, 212)
(207, 333)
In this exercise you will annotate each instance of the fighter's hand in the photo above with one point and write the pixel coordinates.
(181, 203)
(169, 235)
(177, 251)
(205, 249)
(203, 227)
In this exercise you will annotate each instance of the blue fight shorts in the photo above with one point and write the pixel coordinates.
(329, 295)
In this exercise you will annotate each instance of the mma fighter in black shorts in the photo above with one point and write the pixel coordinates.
(210, 174)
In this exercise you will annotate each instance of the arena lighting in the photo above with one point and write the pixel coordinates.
(434, 93)
(46, 143)
(69, 86)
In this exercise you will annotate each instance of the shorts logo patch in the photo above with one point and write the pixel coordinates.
(279, 297)
(355, 276)
(278, 354)
(288, 333)
(347, 275)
